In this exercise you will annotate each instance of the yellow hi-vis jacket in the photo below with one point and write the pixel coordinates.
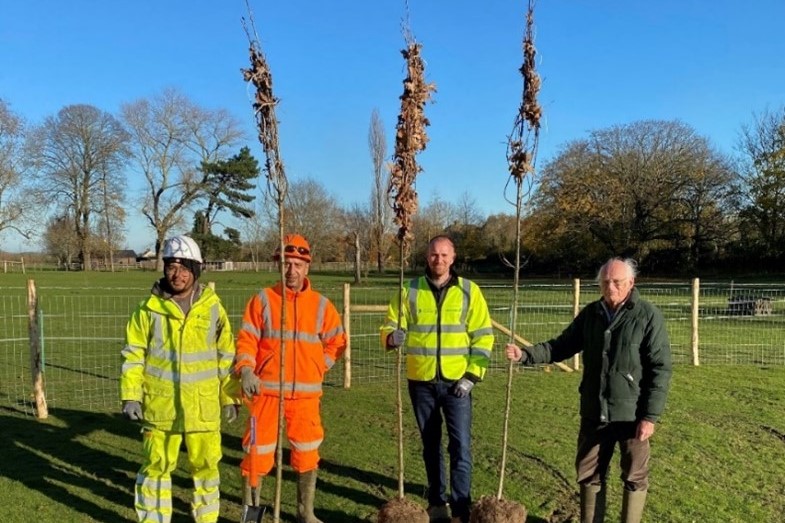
(454, 337)
(177, 366)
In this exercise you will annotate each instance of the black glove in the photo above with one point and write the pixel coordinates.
(230, 412)
(396, 338)
(132, 410)
(462, 387)
(251, 383)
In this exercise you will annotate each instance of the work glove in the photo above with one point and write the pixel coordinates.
(396, 338)
(230, 413)
(462, 387)
(132, 410)
(250, 382)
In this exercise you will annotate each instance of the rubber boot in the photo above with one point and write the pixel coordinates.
(632, 506)
(592, 503)
(306, 491)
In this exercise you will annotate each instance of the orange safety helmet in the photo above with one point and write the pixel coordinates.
(294, 246)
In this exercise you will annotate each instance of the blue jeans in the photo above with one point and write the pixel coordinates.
(431, 401)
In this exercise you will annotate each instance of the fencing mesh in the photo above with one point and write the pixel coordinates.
(82, 334)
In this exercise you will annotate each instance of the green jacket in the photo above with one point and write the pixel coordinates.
(179, 367)
(627, 362)
(448, 339)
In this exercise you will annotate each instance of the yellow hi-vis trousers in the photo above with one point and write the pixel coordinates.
(154, 481)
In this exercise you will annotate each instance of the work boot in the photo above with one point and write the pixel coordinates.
(306, 491)
(592, 503)
(438, 514)
(632, 506)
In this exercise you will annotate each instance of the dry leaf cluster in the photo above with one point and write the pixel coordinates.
(264, 111)
(522, 145)
(410, 139)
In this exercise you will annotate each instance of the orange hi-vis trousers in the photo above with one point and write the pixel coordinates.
(303, 430)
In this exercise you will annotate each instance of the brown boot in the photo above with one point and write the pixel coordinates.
(306, 491)
(592, 503)
(632, 506)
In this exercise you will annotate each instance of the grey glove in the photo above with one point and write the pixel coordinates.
(230, 413)
(396, 338)
(132, 410)
(250, 381)
(462, 387)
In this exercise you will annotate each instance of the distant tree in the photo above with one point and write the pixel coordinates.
(16, 210)
(380, 210)
(628, 188)
(315, 213)
(433, 218)
(60, 240)
(227, 186)
(763, 215)
(172, 138)
(80, 155)
(215, 247)
(358, 236)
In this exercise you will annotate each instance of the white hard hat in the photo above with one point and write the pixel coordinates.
(182, 247)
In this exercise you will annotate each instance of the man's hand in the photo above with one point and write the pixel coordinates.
(514, 353)
(396, 338)
(132, 410)
(230, 413)
(462, 387)
(644, 430)
(250, 382)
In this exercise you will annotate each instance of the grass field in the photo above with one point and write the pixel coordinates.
(717, 455)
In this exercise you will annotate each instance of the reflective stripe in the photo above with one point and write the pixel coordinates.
(261, 449)
(482, 332)
(467, 291)
(127, 366)
(247, 327)
(290, 336)
(328, 361)
(304, 446)
(246, 357)
(130, 349)
(153, 483)
(481, 352)
(213, 322)
(207, 498)
(391, 324)
(413, 290)
(297, 386)
(333, 332)
(204, 510)
(207, 483)
(206, 354)
(445, 329)
(178, 377)
(158, 331)
(267, 317)
(428, 351)
(320, 315)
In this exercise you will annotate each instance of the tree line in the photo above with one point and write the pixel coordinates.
(653, 190)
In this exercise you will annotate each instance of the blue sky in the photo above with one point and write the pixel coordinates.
(710, 64)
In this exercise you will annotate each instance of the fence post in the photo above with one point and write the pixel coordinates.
(347, 327)
(22, 259)
(576, 308)
(39, 393)
(695, 309)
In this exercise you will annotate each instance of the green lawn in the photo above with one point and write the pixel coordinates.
(716, 455)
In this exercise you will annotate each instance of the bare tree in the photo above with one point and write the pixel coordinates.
(377, 146)
(13, 207)
(358, 236)
(60, 241)
(171, 138)
(79, 155)
(313, 212)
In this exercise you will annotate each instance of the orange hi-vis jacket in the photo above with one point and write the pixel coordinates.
(314, 335)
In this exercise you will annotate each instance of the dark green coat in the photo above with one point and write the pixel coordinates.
(627, 363)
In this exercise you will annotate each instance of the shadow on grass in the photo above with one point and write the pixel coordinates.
(85, 461)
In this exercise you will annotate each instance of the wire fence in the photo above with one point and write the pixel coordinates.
(82, 332)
